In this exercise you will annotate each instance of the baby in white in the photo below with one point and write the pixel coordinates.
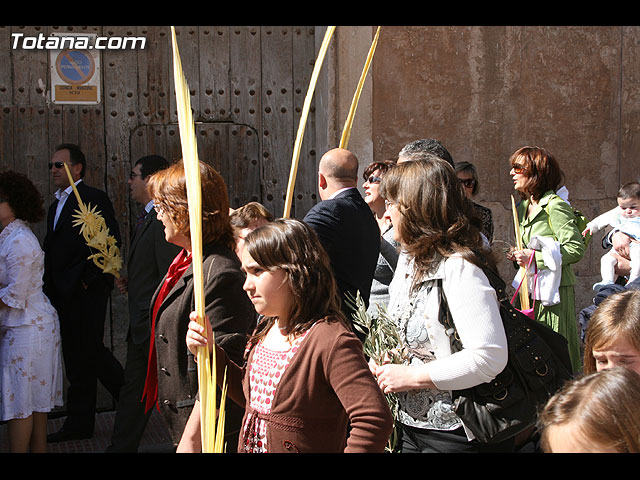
(626, 219)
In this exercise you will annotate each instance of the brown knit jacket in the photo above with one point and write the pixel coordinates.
(327, 386)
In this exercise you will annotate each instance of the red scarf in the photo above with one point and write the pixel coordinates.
(175, 272)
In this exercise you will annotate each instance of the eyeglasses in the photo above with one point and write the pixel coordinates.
(158, 208)
(468, 182)
(58, 164)
(519, 169)
(374, 179)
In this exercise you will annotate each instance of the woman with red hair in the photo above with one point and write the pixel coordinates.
(172, 381)
(541, 213)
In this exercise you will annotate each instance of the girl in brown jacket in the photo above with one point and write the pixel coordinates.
(306, 378)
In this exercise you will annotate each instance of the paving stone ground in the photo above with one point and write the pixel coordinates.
(155, 439)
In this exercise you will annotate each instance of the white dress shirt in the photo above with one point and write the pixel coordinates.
(62, 196)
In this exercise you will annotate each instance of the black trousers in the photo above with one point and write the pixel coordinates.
(420, 440)
(86, 359)
(131, 419)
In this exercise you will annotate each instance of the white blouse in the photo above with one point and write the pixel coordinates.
(21, 269)
(475, 311)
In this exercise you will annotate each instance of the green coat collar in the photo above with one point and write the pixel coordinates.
(537, 209)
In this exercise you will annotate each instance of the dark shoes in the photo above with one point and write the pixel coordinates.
(64, 436)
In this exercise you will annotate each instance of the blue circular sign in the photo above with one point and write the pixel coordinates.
(75, 66)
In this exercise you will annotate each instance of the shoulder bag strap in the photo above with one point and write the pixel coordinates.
(446, 319)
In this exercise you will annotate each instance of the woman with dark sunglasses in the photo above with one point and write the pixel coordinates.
(542, 213)
(468, 176)
(388, 258)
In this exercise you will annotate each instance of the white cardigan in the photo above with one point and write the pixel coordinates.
(475, 312)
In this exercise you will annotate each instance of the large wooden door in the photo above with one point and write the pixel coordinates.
(247, 85)
(232, 149)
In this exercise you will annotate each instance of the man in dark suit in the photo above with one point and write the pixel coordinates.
(79, 291)
(149, 258)
(345, 225)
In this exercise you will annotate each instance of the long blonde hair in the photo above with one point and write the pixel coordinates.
(603, 406)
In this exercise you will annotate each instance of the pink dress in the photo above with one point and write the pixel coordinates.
(265, 373)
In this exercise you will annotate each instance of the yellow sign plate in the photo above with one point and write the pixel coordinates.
(76, 93)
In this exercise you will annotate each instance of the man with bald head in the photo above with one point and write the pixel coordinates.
(345, 225)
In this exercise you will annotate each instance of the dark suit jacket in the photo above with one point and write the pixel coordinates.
(232, 318)
(66, 263)
(351, 237)
(148, 261)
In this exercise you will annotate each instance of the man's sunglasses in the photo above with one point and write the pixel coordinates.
(56, 164)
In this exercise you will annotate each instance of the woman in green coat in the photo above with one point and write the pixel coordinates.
(536, 176)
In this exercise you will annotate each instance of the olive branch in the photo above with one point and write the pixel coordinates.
(383, 344)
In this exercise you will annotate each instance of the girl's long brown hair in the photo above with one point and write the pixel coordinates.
(292, 246)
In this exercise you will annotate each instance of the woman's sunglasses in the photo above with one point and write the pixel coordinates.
(374, 179)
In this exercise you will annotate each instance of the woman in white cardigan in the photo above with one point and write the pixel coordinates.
(431, 219)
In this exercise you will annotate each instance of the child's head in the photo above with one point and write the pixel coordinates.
(247, 218)
(596, 413)
(629, 199)
(290, 248)
(613, 334)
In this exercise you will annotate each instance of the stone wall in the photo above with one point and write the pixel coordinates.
(486, 91)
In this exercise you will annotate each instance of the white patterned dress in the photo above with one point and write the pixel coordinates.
(30, 356)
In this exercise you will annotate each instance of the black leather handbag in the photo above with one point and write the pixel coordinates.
(537, 366)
